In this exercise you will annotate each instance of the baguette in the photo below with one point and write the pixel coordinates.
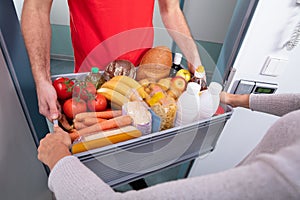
(105, 138)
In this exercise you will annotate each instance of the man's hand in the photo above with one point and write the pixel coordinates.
(191, 68)
(54, 147)
(47, 98)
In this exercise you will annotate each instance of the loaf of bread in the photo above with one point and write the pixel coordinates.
(158, 55)
(154, 72)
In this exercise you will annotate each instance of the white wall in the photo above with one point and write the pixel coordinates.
(267, 33)
(209, 19)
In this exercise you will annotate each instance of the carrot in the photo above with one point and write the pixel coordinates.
(79, 125)
(89, 121)
(74, 135)
(115, 122)
(107, 114)
(92, 120)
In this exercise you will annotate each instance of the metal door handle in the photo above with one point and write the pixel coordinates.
(293, 42)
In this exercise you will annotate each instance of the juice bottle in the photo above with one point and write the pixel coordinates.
(95, 77)
(199, 77)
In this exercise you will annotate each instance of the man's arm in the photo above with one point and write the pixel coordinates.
(177, 27)
(36, 29)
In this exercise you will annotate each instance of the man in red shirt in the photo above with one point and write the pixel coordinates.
(101, 31)
(118, 29)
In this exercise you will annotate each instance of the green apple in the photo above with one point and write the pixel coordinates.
(184, 73)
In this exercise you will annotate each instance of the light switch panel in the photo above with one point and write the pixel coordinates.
(274, 66)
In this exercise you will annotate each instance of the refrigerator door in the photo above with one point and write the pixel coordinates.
(22, 176)
(237, 29)
(18, 65)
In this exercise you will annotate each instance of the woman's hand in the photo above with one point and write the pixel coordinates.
(235, 100)
(54, 147)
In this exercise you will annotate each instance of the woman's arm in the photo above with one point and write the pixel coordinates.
(276, 104)
(235, 100)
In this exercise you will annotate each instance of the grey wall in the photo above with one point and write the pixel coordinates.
(61, 42)
(209, 19)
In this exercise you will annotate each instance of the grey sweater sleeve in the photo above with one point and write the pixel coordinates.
(276, 104)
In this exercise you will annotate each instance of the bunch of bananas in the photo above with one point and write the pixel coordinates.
(122, 89)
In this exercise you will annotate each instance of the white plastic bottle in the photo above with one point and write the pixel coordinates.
(188, 105)
(194, 105)
(209, 100)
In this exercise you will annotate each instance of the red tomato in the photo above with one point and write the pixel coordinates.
(63, 87)
(74, 106)
(97, 104)
(85, 90)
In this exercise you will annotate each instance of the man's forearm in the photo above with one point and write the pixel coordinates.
(177, 27)
(35, 24)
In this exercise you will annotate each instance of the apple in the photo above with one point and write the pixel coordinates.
(178, 83)
(184, 73)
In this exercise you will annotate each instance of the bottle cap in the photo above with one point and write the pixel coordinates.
(200, 69)
(200, 72)
(215, 88)
(193, 88)
(95, 70)
(177, 58)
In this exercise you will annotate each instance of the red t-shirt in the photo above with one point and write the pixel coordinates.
(105, 30)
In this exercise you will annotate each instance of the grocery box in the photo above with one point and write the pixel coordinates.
(127, 161)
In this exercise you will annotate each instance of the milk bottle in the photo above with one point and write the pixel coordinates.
(188, 105)
(194, 105)
(209, 100)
